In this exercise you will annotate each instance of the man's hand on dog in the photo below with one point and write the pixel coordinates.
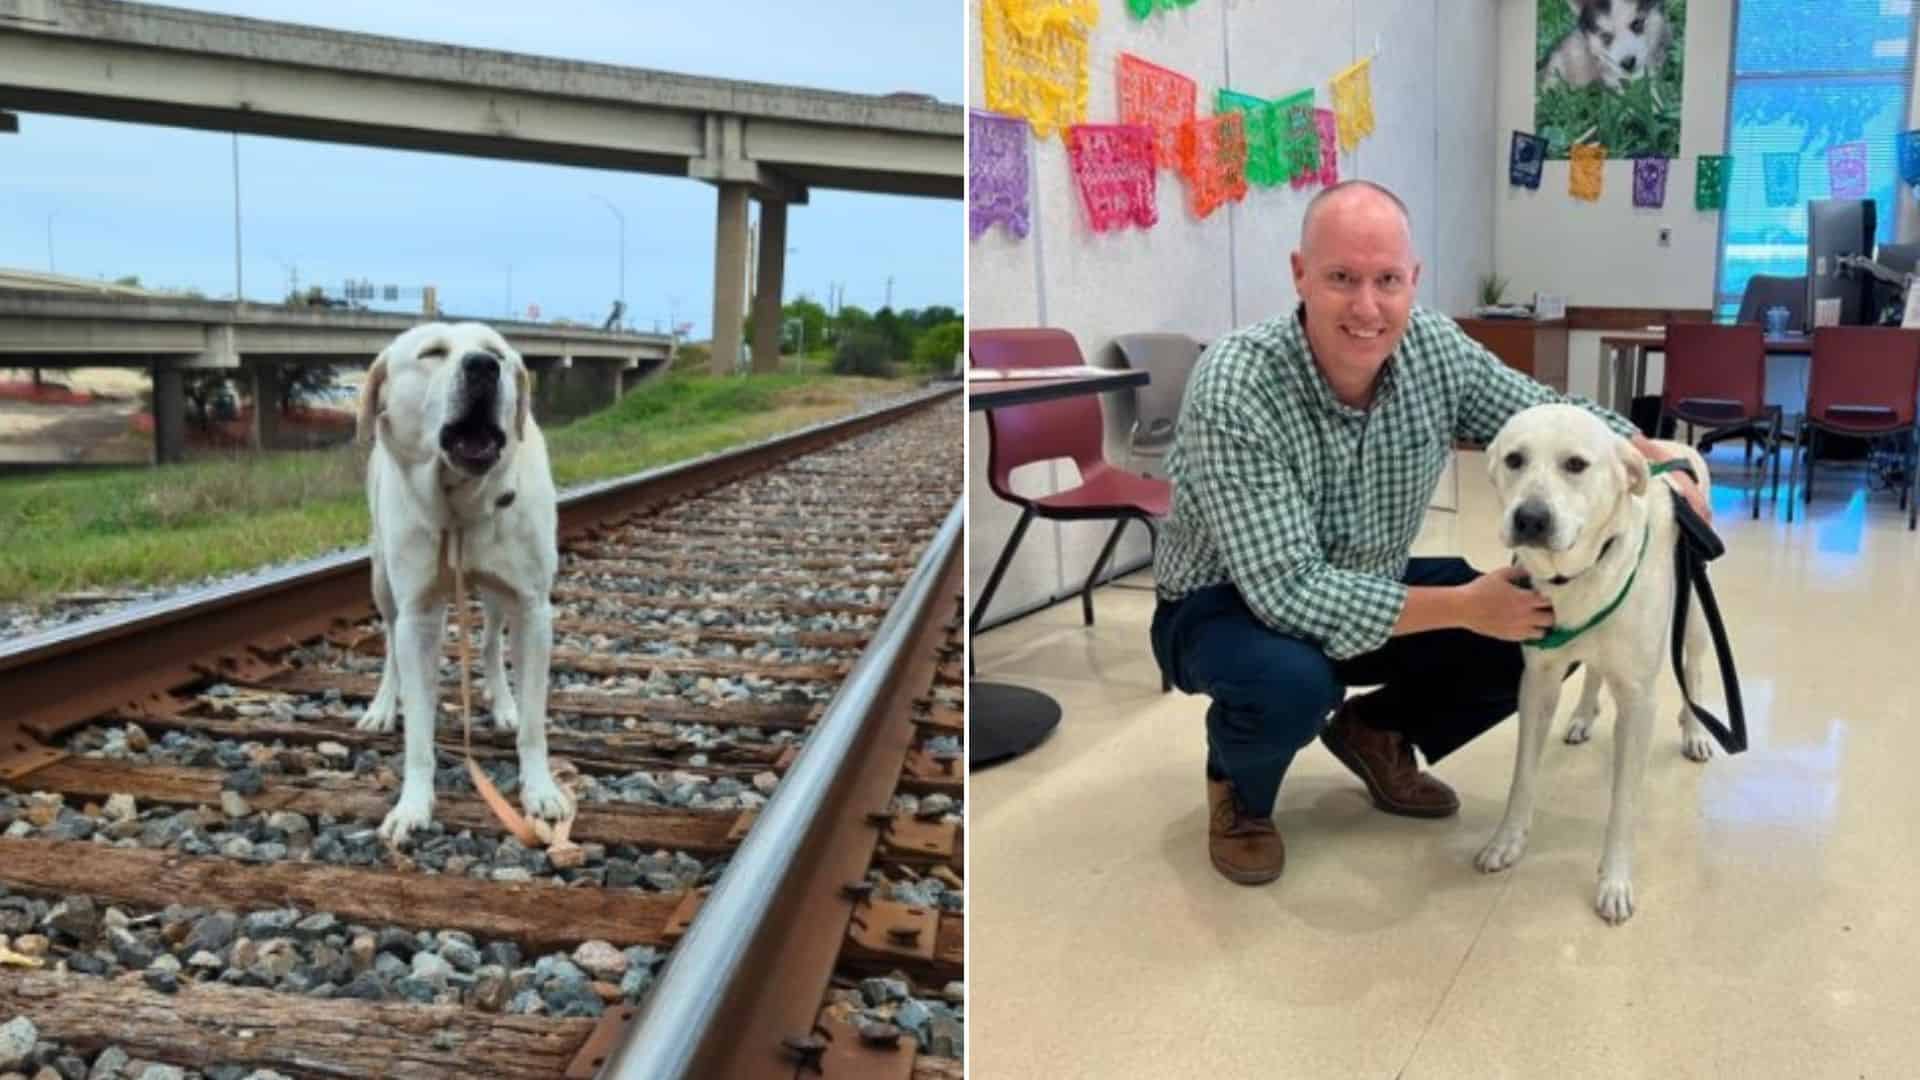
(1497, 607)
(1687, 486)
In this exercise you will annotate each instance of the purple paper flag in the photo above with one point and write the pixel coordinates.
(997, 171)
(1847, 169)
(1650, 181)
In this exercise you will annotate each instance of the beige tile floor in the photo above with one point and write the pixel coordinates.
(1778, 924)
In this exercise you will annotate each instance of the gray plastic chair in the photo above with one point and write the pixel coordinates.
(1168, 359)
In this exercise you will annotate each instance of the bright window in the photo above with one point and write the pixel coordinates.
(1808, 77)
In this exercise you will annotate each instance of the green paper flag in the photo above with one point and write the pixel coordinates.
(1265, 165)
(1300, 137)
(1710, 181)
(1143, 8)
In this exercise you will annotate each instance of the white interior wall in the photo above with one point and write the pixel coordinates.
(1433, 95)
(1607, 253)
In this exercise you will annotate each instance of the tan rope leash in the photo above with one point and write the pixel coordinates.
(530, 834)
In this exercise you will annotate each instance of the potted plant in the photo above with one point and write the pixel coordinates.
(1492, 288)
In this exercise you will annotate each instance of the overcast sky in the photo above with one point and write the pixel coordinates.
(158, 202)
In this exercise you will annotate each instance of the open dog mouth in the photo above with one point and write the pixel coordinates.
(472, 444)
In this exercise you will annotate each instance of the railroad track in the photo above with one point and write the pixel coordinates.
(756, 697)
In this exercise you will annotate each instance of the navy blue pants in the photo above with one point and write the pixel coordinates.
(1272, 693)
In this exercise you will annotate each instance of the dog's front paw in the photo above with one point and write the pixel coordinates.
(1502, 851)
(379, 715)
(542, 798)
(506, 713)
(1614, 901)
(412, 812)
(1697, 745)
(1581, 728)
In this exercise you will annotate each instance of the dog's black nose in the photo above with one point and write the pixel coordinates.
(1532, 521)
(1629, 63)
(480, 366)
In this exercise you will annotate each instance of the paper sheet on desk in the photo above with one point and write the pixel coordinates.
(1005, 374)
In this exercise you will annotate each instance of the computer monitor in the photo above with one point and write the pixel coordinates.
(1840, 227)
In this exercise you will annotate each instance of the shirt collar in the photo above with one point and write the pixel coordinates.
(1316, 381)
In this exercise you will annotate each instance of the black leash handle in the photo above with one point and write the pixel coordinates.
(1698, 543)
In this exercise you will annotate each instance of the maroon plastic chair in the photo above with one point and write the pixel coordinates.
(1716, 380)
(1865, 382)
(1063, 428)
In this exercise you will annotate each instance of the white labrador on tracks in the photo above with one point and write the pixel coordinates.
(1586, 522)
(458, 457)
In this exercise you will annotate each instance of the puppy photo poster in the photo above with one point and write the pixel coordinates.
(1609, 72)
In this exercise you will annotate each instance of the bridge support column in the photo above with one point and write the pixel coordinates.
(613, 380)
(169, 415)
(729, 277)
(265, 433)
(767, 283)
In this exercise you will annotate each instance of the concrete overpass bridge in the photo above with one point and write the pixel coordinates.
(577, 369)
(159, 65)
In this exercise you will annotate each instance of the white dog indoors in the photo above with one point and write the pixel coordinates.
(458, 465)
(1613, 42)
(1596, 534)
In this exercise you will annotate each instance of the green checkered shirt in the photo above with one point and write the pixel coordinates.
(1310, 507)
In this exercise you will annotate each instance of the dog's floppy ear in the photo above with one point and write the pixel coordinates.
(522, 400)
(1635, 464)
(370, 399)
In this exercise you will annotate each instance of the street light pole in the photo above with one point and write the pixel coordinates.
(622, 218)
(238, 296)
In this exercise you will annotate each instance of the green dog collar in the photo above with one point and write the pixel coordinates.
(1560, 635)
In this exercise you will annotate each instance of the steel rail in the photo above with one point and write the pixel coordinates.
(58, 678)
(778, 881)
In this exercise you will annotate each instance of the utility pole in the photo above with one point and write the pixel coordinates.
(889, 302)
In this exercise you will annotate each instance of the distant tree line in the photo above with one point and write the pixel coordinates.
(876, 343)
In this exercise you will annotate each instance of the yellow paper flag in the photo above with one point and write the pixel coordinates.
(1035, 54)
(1353, 103)
(1583, 179)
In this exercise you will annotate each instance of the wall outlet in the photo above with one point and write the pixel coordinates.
(1666, 236)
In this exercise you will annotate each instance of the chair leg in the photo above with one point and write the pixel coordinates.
(1775, 437)
(1793, 471)
(1806, 482)
(993, 579)
(1086, 590)
(1913, 479)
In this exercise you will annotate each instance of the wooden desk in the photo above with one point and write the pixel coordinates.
(1623, 363)
(1535, 347)
(1006, 721)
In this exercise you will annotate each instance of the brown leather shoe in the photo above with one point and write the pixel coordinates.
(1245, 849)
(1383, 760)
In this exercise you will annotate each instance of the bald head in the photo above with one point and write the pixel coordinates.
(1356, 275)
(1360, 202)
